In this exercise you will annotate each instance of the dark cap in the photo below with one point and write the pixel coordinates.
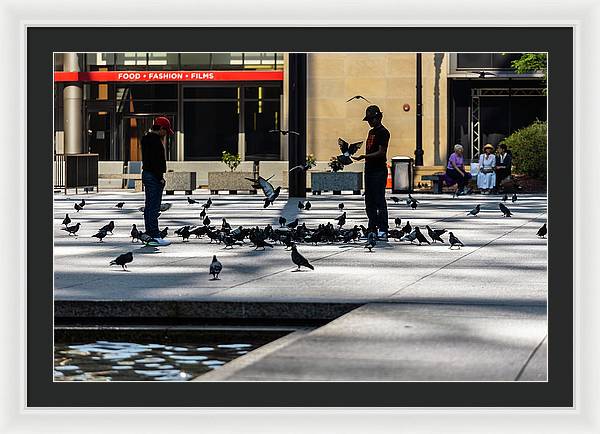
(372, 112)
(165, 123)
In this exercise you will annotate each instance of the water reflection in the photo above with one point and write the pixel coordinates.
(127, 361)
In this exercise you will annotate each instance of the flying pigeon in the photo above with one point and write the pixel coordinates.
(282, 221)
(66, 220)
(371, 241)
(347, 151)
(542, 231)
(475, 210)
(514, 197)
(504, 210)
(123, 260)
(284, 132)
(191, 201)
(163, 207)
(101, 234)
(135, 233)
(398, 221)
(270, 193)
(120, 205)
(215, 268)
(300, 260)
(435, 234)
(454, 241)
(109, 227)
(482, 74)
(359, 97)
(72, 229)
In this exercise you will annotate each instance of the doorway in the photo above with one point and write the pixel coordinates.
(131, 130)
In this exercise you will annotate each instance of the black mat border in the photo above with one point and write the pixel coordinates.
(42, 392)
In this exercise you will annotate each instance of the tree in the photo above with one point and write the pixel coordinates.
(532, 62)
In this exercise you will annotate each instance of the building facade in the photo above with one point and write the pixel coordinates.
(105, 102)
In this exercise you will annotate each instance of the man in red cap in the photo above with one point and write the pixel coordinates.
(154, 166)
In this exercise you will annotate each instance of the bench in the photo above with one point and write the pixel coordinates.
(437, 179)
(136, 177)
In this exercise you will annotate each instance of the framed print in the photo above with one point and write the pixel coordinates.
(280, 285)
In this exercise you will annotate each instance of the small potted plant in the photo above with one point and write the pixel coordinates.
(232, 180)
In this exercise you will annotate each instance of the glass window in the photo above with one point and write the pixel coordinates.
(503, 60)
(97, 91)
(474, 60)
(259, 118)
(210, 127)
(95, 60)
(98, 134)
(147, 106)
(131, 61)
(211, 92)
(256, 92)
(163, 61)
(58, 61)
(259, 60)
(154, 91)
(198, 61)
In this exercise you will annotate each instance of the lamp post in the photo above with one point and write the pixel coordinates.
(419, 138)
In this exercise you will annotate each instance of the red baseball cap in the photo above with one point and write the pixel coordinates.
(165, 123)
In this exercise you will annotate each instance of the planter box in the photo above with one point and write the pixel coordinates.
(180, 181)
(231, 181)
(336, 182)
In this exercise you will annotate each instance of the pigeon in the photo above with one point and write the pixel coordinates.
(347, 151)
(454, 241)
(101, 234)
(199, 231)
(72, 229)
(300, 205)
(411, 199)
(475, 210)
(407, 228)
(300, 260)
(304, 167)
(66, 220)
(413, 204)
(514, 197)
(77, 207)
(293, 224)
(206, 221)
(224, 225)
(395, 199)
(435, 234)
(123, 260)
(505, 197)
(340, 206)
(165, 207)
(412, 236)
(284, 132)
(504, 210)
(229, 241)
(270, 193)
(420, 237)
(82, 203)
(203, 213)
(135, 233)
(209, 202)
(109, 227)
(120, 205)
(191, 201)
(184, 233)
(341, 219)
(215, 268)
(482, 74)
(542, 231)
(164, 232)
(359, 97)
(307, 205)
(282, 221)
(261, 243)
(371, 241)
(398, 221)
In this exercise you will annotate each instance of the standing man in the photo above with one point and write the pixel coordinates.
(154, 166)
(376, 171)
(503, 165)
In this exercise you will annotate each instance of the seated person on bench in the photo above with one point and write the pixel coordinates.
(455, 171)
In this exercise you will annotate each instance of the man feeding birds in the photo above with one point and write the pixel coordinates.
(376, 171)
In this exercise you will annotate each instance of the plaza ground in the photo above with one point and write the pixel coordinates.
(403, 312)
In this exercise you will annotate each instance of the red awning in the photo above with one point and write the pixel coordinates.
(162, 76)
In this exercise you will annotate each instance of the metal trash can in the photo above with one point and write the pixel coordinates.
(402, 175)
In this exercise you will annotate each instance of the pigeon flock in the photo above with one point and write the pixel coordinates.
(289, 233)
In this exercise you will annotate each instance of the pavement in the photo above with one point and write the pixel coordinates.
(403, 312)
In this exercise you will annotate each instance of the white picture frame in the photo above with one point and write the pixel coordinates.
(582, 15)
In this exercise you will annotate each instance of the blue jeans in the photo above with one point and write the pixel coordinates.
(375, 204)
(153, 187)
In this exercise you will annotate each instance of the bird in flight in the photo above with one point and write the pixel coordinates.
(483, 74)
(359, 97)
(348, 149)
(267, 188)
(215, 268)
(285, 132)
(123, 260)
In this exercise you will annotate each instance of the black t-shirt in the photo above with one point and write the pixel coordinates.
(153, 154)
(378, 136)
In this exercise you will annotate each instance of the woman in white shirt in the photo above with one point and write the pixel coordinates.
(486, 179)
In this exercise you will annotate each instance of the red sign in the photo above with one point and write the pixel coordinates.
(133, 76)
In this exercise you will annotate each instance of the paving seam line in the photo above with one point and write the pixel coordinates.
(467, 254)
(522, 370)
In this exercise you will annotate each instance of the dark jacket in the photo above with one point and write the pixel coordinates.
(153, 154)
(378, 137)
(507, 162)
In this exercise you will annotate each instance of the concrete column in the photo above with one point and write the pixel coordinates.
(73, 96)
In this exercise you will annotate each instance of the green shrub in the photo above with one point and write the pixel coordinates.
(529, 148)
(232, 160)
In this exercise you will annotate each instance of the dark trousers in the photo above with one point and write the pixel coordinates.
(153, 187)
(501, 175)
(454, 177)
(375, 204)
